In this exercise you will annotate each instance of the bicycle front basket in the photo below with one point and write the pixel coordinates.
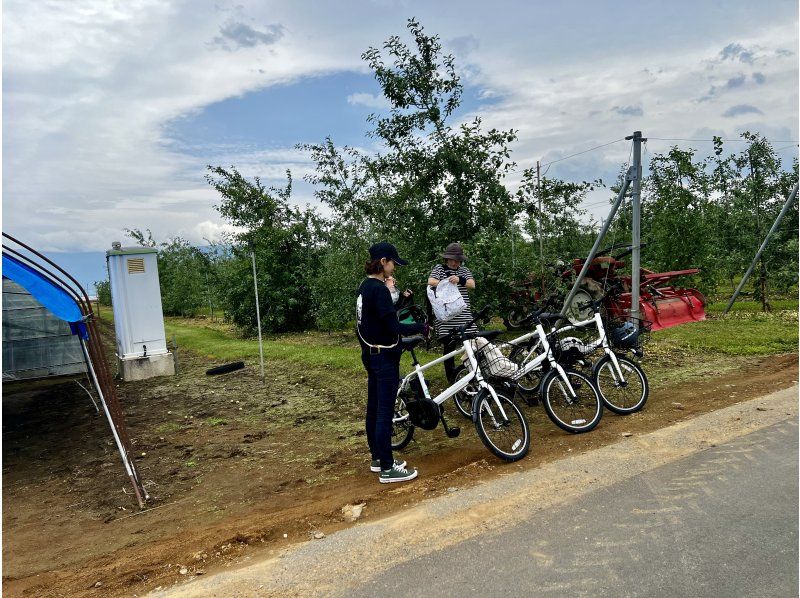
(494, 360)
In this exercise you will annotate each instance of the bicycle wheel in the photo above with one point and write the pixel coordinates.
(527, 385)
(508, 438)
(577, 414)
(621, 397)
(402, 428)
(463, 399)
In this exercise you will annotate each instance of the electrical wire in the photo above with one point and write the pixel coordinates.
(711, 140)
(591, 149)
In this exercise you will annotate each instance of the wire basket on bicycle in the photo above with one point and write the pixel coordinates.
(624, 333)
(494, 358)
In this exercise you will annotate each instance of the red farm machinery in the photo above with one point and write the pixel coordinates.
(660, 304)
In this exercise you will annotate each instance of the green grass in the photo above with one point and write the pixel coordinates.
(216, 421)
(168, 427)
(314, 349)
(738, 333)
(752, 306)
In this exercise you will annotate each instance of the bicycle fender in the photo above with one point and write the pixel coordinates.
(477, 401)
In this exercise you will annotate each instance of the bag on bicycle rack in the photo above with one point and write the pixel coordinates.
(446, 300)
(422, 411)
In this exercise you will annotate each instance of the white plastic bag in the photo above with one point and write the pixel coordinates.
(446, 300)
(497, 364)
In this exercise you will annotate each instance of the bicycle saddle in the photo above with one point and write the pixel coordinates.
(487, 334)
(410, 342)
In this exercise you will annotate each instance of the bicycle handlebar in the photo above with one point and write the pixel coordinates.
(458, 332)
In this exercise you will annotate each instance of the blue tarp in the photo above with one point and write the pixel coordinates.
(52, 296)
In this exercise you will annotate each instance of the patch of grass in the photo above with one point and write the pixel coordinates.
(752, 306)
(190, 464)
(168, 427)
(216, 421)
(739, 333)
(317, 349)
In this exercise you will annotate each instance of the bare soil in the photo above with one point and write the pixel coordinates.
(237, 468)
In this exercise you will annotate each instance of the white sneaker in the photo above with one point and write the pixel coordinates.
(375, 466)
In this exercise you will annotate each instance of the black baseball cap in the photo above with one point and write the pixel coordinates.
(387, 250)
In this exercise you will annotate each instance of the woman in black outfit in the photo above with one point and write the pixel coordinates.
(379, 335)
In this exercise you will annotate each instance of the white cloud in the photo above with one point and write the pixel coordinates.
(368, 99)
(89, 87)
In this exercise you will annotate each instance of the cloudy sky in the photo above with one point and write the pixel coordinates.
(111, 110)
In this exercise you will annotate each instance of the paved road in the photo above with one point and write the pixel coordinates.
(706, 507)
(722, 522)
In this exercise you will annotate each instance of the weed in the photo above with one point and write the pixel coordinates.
(168, 427)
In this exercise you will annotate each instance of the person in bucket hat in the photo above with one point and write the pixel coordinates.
(453, 270)
(379, 333)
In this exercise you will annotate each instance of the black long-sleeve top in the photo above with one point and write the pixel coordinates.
(376, 316)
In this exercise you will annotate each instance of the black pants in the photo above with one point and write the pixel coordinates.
(450, 364)
(383, 378)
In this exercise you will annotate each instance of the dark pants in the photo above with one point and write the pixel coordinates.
(450, 364)
(383, 378)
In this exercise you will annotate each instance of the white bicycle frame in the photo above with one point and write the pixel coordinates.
(461, 384)
(597, 320)
(546, 355)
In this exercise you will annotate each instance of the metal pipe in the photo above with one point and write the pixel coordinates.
(123, 453)
(636, 241)
(789, 202)
(597, 242)
(258, 315)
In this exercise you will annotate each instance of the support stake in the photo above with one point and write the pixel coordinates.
(789, 202)
(258, 315)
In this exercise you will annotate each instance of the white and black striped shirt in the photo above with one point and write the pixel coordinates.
(441, 272)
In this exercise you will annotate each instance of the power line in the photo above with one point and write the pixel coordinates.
(591, 149)
(711, 140)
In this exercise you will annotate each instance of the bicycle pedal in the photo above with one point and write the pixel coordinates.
(453, 432)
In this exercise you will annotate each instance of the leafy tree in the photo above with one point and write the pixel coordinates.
(286, 242)
(102, 289)
(434, 182)
(182, 271)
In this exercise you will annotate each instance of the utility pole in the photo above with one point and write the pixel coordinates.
(258, 314)
(636, 240)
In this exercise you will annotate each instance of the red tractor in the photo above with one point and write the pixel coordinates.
(660, 305)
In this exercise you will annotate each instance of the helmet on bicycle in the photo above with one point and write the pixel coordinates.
(625, 336)
(572, 350)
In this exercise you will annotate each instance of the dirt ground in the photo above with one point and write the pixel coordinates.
(237, 468)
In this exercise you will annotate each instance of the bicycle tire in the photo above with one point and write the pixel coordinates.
(402, 431)
(483, 411)
(463, 399)
(613, 395)
(528, 386)
(575, 416)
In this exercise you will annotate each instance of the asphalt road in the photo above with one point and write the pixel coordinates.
(721, 522)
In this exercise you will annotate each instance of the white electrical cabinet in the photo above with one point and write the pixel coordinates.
(138, 316)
